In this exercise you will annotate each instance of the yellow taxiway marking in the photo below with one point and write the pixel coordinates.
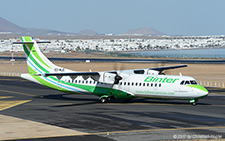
(5, 97)
(155, 130)
(9, 104)
(17, 93)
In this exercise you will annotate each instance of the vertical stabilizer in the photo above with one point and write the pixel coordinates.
(37, 62)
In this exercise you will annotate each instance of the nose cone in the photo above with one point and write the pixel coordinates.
(202, 90)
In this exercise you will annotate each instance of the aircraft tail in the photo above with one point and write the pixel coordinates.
(37, 62)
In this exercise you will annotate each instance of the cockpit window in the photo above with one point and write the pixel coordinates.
(182, 83)
(187, 82)
(193, 82)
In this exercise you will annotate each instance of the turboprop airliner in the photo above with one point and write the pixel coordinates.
(115, 84)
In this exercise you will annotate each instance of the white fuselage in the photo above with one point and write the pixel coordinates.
(159, 86)
(152, 86)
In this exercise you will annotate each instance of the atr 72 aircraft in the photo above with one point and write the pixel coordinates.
(116, 84)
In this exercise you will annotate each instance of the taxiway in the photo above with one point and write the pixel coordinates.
(141, 119)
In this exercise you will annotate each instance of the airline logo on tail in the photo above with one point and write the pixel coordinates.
(36, 61)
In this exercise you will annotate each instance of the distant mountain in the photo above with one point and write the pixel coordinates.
(87, 32)
(6, 26)
(144, 31)
(9, 27)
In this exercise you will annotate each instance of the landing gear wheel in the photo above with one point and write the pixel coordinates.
(194, 103)
(104, 99)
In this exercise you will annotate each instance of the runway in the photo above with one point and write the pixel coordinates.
(141, 119)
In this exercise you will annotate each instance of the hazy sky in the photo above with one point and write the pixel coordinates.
(172, 17)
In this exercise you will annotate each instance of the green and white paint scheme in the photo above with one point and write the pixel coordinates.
(120, 84)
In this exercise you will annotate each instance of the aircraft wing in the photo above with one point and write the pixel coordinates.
(160, 69)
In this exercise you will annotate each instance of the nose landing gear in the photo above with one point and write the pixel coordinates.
(193, 102)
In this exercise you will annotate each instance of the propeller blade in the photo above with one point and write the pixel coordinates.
(117, 79)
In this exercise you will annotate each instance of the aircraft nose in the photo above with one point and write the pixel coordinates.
(201, 91)
(204, 91)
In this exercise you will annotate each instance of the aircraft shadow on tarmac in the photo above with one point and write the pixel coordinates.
(88, 101)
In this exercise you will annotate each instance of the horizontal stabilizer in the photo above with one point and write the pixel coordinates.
(39, 42)
(69, 74)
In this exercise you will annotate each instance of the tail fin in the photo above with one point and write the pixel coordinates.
(36, 61)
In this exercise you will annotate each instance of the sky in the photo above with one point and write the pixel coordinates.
(172, 17)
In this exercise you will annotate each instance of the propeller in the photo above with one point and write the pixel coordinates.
(162, 64)
(117, 79)
(118, 76)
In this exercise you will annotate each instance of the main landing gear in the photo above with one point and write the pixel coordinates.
(105, 98)
(193, 102)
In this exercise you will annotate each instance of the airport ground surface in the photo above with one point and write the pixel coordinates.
(83, 117)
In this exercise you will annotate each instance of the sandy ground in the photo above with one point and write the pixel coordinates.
(201, 72)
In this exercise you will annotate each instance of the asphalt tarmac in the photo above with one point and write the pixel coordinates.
(141, 119)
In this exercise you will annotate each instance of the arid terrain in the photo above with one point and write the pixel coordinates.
(202, 72)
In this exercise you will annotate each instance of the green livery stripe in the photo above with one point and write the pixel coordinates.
(99, 91)
(31, 47)
(44, 82)
(27, 39)
(33, 60)
(31, 71)
(198, 87)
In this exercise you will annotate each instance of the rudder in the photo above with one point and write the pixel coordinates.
(36, 61)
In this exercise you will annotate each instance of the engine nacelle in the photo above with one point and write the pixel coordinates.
(151, 72)
(107, 78)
